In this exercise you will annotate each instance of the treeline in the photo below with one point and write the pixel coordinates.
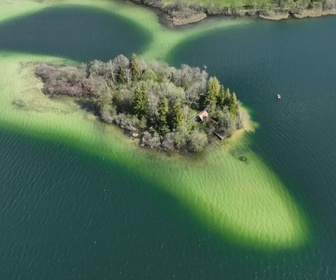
(152, 101)
(178, 9)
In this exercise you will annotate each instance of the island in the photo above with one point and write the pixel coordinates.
(166, 108)
(186, 12)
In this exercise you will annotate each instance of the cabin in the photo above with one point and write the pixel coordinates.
(202, 116)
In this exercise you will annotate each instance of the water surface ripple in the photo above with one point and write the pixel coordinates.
(67, 215)
(296, 137)
(52, 31)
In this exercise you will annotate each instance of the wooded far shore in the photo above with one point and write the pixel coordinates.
(191, 11)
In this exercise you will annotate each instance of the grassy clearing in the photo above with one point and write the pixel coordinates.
(243, 201)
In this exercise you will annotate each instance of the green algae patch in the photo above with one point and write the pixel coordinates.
(244, 202)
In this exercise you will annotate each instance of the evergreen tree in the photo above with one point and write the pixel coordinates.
(177, 114)
(227, 98)
(162, 126)
(234, 106)
(176, 118)
(144, 91)
(135, 69)
(221, 96)
(213, 92)
(140, 102)
(121, 75)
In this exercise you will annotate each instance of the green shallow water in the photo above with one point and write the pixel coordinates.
(110, 211)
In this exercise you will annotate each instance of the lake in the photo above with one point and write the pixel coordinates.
(69, 214)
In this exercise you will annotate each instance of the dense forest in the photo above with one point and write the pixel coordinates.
(167, 108)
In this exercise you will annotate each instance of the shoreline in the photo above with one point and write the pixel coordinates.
(303, 15)
(189, 20)
(176, 22)
(201, 13)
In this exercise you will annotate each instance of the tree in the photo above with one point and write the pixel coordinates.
(128, 75)
(148, 75)
(105, 99)
(161, 119)
(135, 69)
(140, 102)
(121, 75)
(181, 137)
(143, 122)
(105, 106)
(234, 106)
(197, 141)
(221, 97)
(168, 142)
(213, 92)
(176, 116)
(111, 68)
(150, 140)
(121, 61)
(227, 98)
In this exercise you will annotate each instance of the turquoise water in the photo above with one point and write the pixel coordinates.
(67, 215)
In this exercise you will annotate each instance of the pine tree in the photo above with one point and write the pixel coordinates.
(234, 106)
(140, 102)
(161, 120)
(144, 91)
(213, 92)
(227, 98)
(221, 97)
(176, 115)
(121, 75)
(135, 69)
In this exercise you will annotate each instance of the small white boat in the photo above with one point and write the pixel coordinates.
(278, 96)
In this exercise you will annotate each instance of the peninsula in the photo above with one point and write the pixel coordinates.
(190, 11)
(166, 108)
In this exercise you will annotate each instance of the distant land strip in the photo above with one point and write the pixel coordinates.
(190, 11)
